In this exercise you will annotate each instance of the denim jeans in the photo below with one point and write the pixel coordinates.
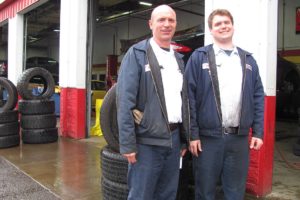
(222, 158)
(155, 174)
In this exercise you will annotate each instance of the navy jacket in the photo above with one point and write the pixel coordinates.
(136, 89)
(203, 91)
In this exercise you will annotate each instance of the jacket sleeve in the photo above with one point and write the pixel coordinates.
(191, 76)
(127, 90)
(259, 101)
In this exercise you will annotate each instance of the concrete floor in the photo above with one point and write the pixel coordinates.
(71, 168)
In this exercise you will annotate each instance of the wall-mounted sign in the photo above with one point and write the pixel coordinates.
(298, 20)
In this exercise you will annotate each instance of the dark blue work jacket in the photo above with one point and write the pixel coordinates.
(140, 87)
(204, 95)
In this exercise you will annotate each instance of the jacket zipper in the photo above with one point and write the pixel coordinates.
(219, 112)
(189, 120)
(242, 92)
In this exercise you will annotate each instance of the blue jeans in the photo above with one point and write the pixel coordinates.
(155, 174)
(225, 158)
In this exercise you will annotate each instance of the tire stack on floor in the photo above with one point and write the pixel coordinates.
(114, 175)
(9, 124)
(38, 119)
(114, 166)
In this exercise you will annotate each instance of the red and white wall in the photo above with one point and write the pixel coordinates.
(73, 53)
(73, 67)
(256, 31)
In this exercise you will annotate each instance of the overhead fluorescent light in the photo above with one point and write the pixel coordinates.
(126, 13)
(145, 3)
(56, 30)
(118, 15)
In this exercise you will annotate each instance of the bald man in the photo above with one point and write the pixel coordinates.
(152, 111)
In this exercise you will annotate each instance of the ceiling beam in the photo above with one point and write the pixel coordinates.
(189, 11)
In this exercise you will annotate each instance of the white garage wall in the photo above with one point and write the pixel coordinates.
(134, 28)
(103, 41)
(286, 28)
(52, 50)
(3, 53)
(40, 52)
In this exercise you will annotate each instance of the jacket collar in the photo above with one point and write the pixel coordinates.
(144, 44)
(208, 47)
(218, 50)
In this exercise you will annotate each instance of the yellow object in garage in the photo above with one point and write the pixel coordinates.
(96, 130)
(98, 89)
(294, 59)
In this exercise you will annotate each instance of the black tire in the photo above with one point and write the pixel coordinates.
(296, 149)
(186, 178)
(113, 191)
(39, 136)
(12, 96)
(8, 116)
(27, 77)
(36, 107)
(38, 121)
(11, 128)
(114, 166)
(9, 141)
(108, 119)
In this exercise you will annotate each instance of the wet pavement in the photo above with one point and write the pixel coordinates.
(71, 168)
(15, 184)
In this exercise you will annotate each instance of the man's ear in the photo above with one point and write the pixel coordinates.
(150, 24)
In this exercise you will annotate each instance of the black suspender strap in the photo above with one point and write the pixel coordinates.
(214, 76)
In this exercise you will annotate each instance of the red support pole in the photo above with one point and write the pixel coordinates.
(259, 182)
(72, 113)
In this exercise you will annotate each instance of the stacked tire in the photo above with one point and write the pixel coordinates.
(9, 124)
(114, 175)
(38, 119)
(113, 165)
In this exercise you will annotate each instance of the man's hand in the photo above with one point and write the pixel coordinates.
(182, 152)
(256, 143)
(130, 157)
(195, 147)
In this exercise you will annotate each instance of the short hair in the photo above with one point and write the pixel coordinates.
(159, 8)
(221, 12)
